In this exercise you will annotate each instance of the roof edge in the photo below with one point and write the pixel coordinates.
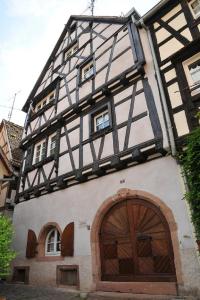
(154, 10)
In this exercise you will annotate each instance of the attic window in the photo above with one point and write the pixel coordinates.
(45, 101)
(70, 51)
(87, 71)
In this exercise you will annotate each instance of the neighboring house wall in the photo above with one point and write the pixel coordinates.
(10, 136)
(73, 172)
(3, 186)
(175, 32)
(4, 144)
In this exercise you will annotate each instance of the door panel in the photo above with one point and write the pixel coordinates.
(135, 244)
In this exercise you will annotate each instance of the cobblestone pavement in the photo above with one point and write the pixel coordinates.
(24, 292)
(28, 292)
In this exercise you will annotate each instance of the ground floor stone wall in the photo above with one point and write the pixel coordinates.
(158, 180)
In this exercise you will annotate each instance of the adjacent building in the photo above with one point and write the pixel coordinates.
(10, 163)
(100, 203)
(174, 27)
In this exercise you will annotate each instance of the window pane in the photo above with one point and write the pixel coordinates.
(99, 120)
(88, 71)
(53, 145)
(53, 241)
(106, 117)
(195, 73)
(58, 248)
(102, 121)
(51, 237)
(50, 247)
(58, 236)
(51, 96)
(106, 124)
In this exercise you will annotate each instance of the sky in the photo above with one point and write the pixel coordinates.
(29, 31)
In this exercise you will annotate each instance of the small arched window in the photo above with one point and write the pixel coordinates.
(53, 242)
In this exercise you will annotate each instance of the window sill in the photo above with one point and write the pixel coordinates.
(39, 164)
(50, 258)
(195, 96)
(41, 111)
(85, 80)
(101, 132)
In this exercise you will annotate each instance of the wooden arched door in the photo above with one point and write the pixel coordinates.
(135, 244)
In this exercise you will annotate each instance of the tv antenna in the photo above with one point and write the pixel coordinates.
(12, 107)
(91, 6)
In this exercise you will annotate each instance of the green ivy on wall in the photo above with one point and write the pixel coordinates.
(190, 160)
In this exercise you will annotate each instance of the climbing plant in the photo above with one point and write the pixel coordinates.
(6, 253)
(190, 160)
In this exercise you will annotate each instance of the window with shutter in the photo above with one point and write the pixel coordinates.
(52, 246)
(31, 244)
(67, 240)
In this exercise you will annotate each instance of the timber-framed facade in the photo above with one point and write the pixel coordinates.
(100, 204)
(175, 31)
(68, 114)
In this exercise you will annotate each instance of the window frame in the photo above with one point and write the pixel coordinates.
(196, 16)
(54, 135)
(186, 66)
(43, 102)
(93, 116)
(83, 65)
(42, 148)
(98, 116)
(70, 48)
(55, 242)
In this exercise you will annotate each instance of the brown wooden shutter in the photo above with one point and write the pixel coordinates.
(31, 244)
(67, 240)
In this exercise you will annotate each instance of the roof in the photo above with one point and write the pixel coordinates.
(14, 134)
(155, 9)
(100, 19)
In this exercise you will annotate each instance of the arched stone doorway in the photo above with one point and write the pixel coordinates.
(135, 243)
(135, 269)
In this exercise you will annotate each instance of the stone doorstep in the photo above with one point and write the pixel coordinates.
(129, 296)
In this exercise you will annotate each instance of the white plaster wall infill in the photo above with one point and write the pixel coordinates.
(149, 66)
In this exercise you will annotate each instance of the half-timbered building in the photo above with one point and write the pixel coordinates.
(175, 32)
(100, 203)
